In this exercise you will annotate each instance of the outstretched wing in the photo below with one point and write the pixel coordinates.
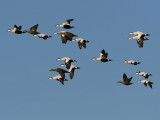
(71, 73)
(150, 84)
(17, 28)
(68, 21)
(140, 43)
(34, 28)
(64, 39)
(80, 45)
(103, 54)
(125, 77)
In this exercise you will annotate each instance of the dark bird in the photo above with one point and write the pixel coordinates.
(33, 30)
(103, 57)
(126, 81)
(17, 29)
(66, 24)
(60, 71)
(65, 36)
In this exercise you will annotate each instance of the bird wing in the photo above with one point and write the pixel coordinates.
(145, 84)
(84, 44)
(129, 80)
(103, 54)
(150, 84)
(61, 80)
(64, 39)
(68, 65)
(69, 35)
(80, 45)
(62, 74)
(34, 28)
(125, 77)
(140, 43)
(19, 28)
(71, 73)
(68, 21)
(15, 27)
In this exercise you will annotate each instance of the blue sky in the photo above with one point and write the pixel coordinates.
(28, 94)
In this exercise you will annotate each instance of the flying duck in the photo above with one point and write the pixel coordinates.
(126, 81)
(33, 30)
(81, 42)
(144, 74)
(60, 71)
(65, 36)
(71, 69)
(17, 29)
(138, 32)
(44, 36)
(103, 57)
(67, 61)
(145, 82)
(66, 24)
(58, 78)
(132, 62)
(140, 38)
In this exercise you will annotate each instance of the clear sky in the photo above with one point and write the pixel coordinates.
(26, 93)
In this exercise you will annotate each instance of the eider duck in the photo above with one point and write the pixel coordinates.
(71, 70)
(138, 33)
(58, 78)
(132, 62)
(65, 36)
(103, 57)
(44, 36)
(144, 74)
(81, 42)
(146, 82)
(66, 24)
(60, 71)
(140, 38)
(33, 30)
(17, 29)
(126, 81)
(67, 61)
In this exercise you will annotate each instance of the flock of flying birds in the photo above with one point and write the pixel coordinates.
(68, 36)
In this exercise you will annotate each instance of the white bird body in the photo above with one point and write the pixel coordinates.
(67, 61)
(146, 82)
(139, 37)
(81, 42)
(131, 62)
(144, 74)
(103, 57)
(58, 78)
(71, 69)
(139, 33)
(42, 35)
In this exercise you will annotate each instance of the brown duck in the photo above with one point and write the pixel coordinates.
(126, 81)
(33, 30)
